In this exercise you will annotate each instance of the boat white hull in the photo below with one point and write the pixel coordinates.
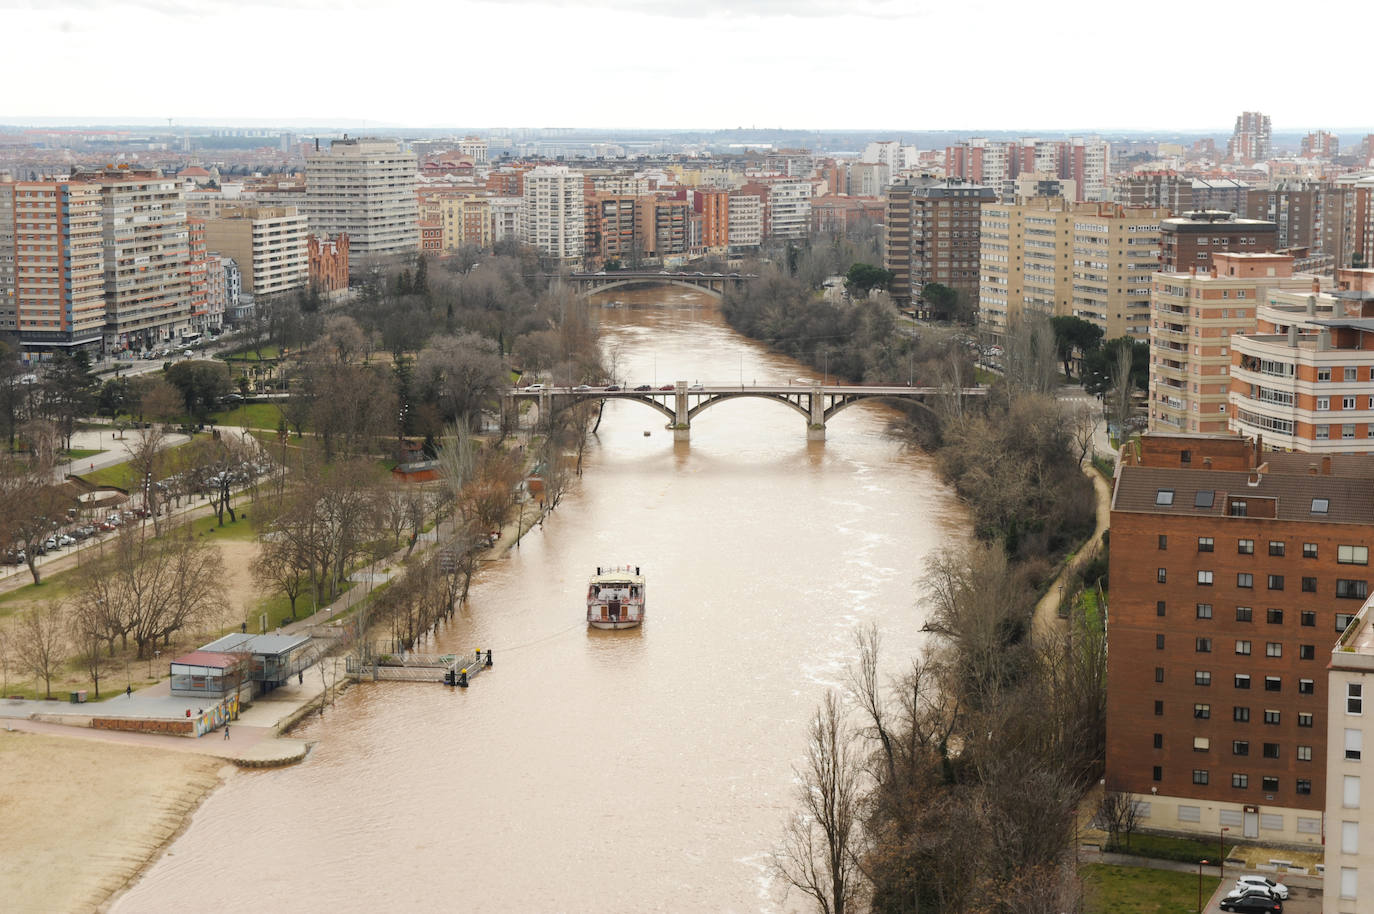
(623, 623)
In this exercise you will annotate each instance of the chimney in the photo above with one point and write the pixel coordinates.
(1206, 463)
(1316, 285)
(1292, 334)
(1312, 301)
(1214, 271)
(1192, 271)
(1311, 469)
(1326, 466)
(1254, 479)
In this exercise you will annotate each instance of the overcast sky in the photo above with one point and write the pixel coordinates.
(806, 64)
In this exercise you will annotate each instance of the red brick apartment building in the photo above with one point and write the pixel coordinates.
(1232, 573)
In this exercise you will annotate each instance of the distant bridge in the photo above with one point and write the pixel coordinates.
(817, 403)
(711, 283)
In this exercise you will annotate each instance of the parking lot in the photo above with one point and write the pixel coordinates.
(1304, 894)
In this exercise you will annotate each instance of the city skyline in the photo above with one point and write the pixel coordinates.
(756, 64)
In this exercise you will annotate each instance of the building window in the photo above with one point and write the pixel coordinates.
(1245, 547)
(1307, 652)
(1159, 607)
(1243, 648)
(1273, 684)
(1347, 403)
(1309, 550)
(1276, 547)
(1202, 712)
(1204, 610)
(1351, 374)
(1199, 775)
(1240, 747)
(1273, 648)
(1164, 497)
(1159, 740)
(1204, 578)
(1162, 575)
(1321, 505)
(1349, 589)
(1304, 719)
(1240, 781)
(1304, 786)
(1159, 642)
(1202, 677)
(1159, 674)
(1350, 791)
(1204, 544)
(1158, 773)
(1270, 750)
(1276, 582)
(1237, 508)
(1274, 616)
(1343, 621)
(1323, 432)
(1269, 785)
(1323, 374)
(1202, 744)
(1244, 614)
(1240, 715)
(1354, 744)
(1354, 698)
(1159, 709)
(1352, 555)
(1245, 579)
(1304, 753)
(1324, 403)
(1350, 882)
(1306, 686)
(1202, 645)
(1242, 680)
(1309, 585)
(1308, 617)
(1204, 498)
(1271, 716)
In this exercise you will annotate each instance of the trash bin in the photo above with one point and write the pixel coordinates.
(78, 697)
(72, 697)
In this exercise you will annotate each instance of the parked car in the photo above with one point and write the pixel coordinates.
(1257, 902)
(1277, 889)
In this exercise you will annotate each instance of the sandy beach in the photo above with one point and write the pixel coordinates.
(82, 818)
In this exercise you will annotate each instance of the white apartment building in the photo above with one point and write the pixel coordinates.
(1348, 884)
(505, 217)
(553, 217)
(746, 221)
(147, 242)
(365, 188)
(892, 154)
(475, 148)
(789, 207)
(268, 242)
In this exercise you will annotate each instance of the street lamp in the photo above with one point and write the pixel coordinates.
(1222, 862)
(1200, 865)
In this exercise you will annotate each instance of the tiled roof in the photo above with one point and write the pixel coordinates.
(1350, 500)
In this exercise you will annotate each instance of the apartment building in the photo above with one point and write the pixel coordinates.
(269, 243)
(997, 163)
(613, 229)
(713, 206)
(1051, 256)
(1190, 240)
(745, 229)
(52, 282)
(665, 226)
(1303, 378)
(198, 266)
(933, 232)
(147, 257)
(1193, 316)
(1232, 569)
(365, 188)
(1348, 883)
(1250, 140)
(327, 260)
(787, 208)
(553, 217)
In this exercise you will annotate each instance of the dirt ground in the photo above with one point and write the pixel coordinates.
(83, 818)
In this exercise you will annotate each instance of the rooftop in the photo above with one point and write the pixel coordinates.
(256, 644)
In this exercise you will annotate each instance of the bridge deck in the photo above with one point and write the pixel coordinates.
(775, 389)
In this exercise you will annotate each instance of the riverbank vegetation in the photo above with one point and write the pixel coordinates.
(953, 787)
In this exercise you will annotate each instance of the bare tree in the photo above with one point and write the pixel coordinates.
(1119, 395)
(88, 632)
(40, 642)
(1082, 425)
(818, 855)
(1118, 814)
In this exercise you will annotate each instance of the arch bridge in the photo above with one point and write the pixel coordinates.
(817, 403)
(713, 284)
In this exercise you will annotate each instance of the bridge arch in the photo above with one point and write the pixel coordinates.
(650, 281)
(842, 404)
(647, 401)
(722, 397)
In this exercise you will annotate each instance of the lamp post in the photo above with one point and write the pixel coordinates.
(1200, 865)
(1222, 861)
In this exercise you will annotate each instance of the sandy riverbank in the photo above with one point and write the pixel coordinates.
(83, 818)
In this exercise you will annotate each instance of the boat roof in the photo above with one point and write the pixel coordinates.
(617, 573)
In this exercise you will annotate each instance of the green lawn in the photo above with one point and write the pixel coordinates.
(77, 453)
(241, 529)
(1163, 847)
(1137, 890)
(268, 353)
(249, 415)
(121, 475)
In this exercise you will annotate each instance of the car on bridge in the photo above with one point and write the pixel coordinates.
(534, 387)
(580, 388)
(612, 388)
(644, 387)
(666, 387)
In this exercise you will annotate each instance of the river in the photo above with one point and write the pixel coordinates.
(643, 770)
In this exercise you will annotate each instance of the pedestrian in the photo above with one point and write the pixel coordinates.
(300, 676)
(129, 690)
(226, 729)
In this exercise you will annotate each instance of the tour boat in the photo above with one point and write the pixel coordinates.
(615, 598)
